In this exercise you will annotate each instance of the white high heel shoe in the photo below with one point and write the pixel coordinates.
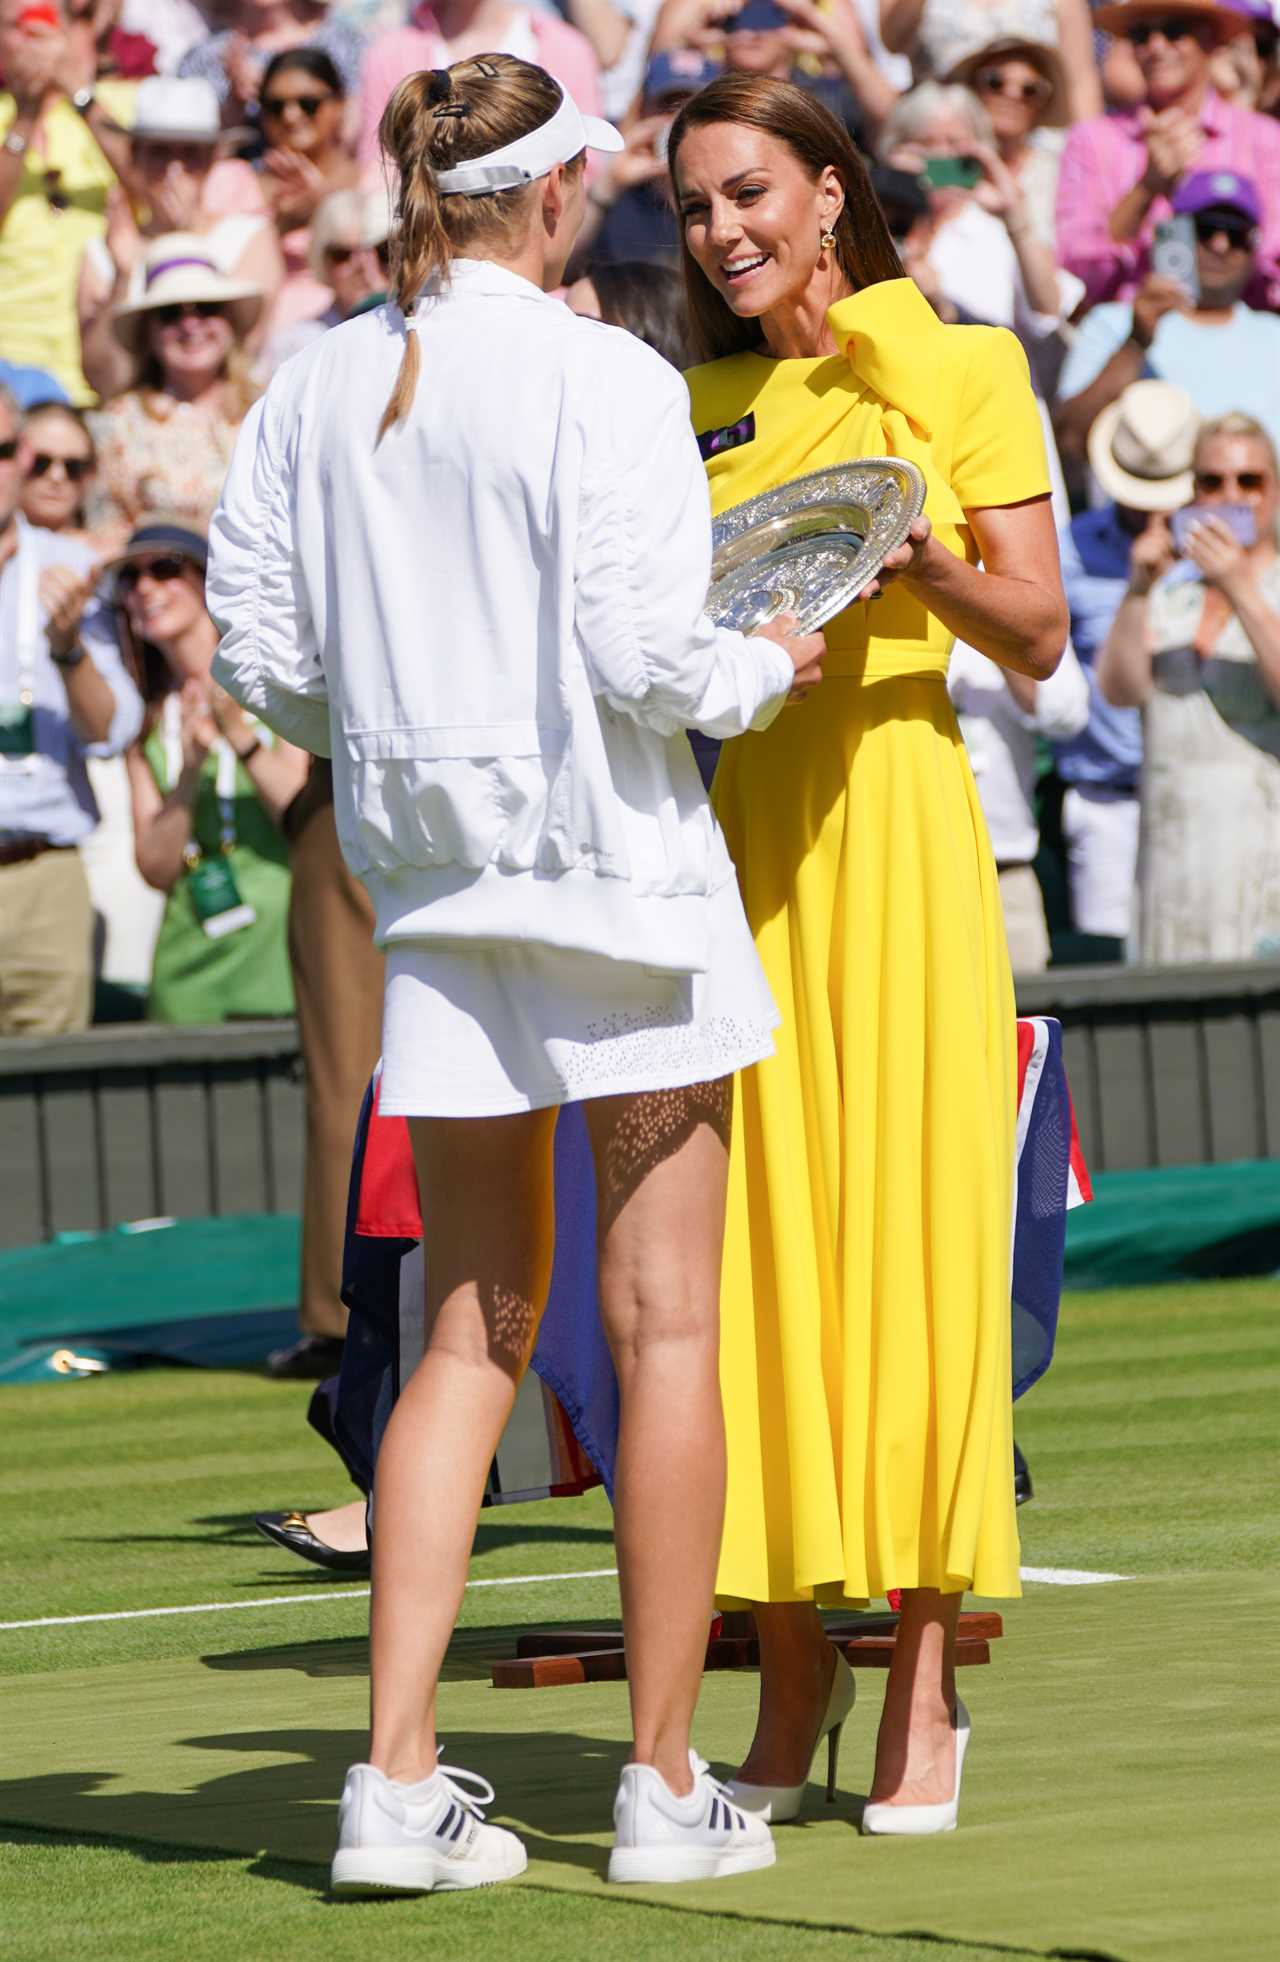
(924, 1818)
(778, 1803)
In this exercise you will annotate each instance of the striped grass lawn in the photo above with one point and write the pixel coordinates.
(168, 1781)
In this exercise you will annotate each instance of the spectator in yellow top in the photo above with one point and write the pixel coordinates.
(59, 142)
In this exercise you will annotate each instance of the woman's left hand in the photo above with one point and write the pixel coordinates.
(906, 561)
(1215, 549)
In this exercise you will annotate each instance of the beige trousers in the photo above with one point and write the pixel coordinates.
(1024, 921)
(46, 946)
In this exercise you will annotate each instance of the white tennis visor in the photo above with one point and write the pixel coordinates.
(563, 136)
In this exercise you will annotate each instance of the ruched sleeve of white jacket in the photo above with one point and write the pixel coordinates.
(269, 658)
(642, 572)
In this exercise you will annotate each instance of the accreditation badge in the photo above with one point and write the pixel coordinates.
(216, 897)
(17, 729)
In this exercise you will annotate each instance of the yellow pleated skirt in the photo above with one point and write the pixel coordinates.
(865, 1302)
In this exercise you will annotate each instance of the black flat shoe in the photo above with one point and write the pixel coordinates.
(1022, 1486)
(308, 1360)
(291, 1531)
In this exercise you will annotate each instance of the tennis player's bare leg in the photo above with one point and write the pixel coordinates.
(661, 1173)
(489, 1223)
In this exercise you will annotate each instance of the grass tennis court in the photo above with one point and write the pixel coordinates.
(169, 1780)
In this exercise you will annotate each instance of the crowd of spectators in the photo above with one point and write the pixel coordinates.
(190, 193)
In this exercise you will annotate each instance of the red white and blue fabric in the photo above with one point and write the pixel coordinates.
(571, 1360)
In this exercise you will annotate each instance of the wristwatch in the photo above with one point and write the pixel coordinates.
(71, 659)
(16, 143)
(84, 99)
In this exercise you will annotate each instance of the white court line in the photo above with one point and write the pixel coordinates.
(1068, 1576)
(288, 1600)
(1049, 1576)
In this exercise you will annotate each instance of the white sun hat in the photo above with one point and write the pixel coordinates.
(564, 135)
(178, 269)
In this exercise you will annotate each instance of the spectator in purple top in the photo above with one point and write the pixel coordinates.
(1119, 172)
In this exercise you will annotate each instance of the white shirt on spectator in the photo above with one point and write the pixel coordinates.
(1001, 740)
(47, 795)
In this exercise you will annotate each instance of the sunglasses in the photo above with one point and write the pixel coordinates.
(195, 309)
(1217, 480)
(1143, 31)
(310, 105)
(340, 255)
(8, 449)
(992, 82)
(76, 467)
(1266, 40)
(1238, 230)
(164, 569)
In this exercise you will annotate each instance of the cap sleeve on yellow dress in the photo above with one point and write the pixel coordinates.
(999, 455)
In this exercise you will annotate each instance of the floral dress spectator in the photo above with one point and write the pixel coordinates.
(1119, 172)
(1196, 645)
(167, 441)
(234, 60)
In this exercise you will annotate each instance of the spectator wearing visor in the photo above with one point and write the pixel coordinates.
(1222, 351)
(210, 788)
(64, 695)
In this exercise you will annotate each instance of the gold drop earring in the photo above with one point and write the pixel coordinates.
(828, 241)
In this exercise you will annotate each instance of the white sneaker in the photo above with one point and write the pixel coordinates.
(419, 1839)
(703, 1836)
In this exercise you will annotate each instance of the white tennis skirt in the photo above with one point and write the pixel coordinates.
(482, 1030)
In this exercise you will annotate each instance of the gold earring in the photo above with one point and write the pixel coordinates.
(828, 241)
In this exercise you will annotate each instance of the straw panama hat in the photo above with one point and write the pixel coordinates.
(1120, 15)
(1141, 446)
(1038, 54)
(180, 268)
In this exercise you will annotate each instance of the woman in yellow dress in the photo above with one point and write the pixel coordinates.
(865, 1302)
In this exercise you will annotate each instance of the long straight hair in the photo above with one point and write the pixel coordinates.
(436, 119)
(864, 248)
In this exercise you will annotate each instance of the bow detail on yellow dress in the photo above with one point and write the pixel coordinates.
(896, 345)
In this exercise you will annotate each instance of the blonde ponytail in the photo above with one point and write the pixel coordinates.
(435, 119)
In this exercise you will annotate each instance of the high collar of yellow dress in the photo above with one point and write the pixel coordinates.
(884, 333)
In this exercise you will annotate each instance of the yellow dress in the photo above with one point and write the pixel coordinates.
(865, 1300)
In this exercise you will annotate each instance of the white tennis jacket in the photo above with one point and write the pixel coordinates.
(493, 621)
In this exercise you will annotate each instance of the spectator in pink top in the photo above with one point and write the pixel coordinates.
(450, 30)
(1119, 171)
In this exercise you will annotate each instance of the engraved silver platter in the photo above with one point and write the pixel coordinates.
(811, 546)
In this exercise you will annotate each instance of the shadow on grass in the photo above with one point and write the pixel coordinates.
(468, 1659)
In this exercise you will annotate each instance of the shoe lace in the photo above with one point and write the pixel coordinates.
(473, 1802)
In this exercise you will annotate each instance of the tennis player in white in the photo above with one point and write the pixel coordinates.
(464, 548)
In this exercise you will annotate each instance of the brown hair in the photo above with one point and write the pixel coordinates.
(864, 248)
(436, 119)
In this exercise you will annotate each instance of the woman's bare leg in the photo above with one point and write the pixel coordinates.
(916, 1746)
(341, 1527)
(488, 1220)
(797, 1667)
(661, 1172)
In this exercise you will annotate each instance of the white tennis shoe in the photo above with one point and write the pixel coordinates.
(703, 1836)
(419, 1839)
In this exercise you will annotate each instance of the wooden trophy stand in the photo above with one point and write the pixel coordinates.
(552, 1657)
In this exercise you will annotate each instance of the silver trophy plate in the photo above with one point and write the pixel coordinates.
(811, 546)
